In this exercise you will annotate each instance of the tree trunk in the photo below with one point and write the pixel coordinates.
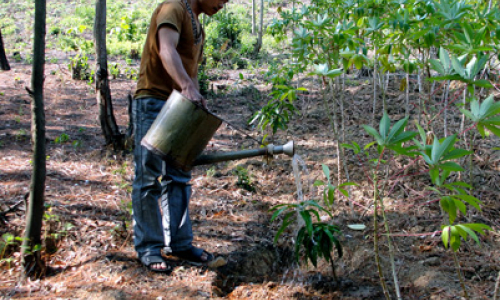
(4, 64)
(32, 262)
(258, 45)
(106, 116)
(254, 26)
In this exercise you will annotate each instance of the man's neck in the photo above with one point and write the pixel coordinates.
(195, 7)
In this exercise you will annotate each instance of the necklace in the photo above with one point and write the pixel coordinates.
(197, 36)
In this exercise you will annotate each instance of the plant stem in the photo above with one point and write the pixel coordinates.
(459, 273)
(389, 240)
(375, 238)
(497, 287)
(342, 122)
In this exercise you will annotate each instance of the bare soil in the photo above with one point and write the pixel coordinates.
(88, 187)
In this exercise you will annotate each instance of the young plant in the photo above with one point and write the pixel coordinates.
(317, 239)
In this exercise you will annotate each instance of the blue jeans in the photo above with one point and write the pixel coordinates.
(154, 229)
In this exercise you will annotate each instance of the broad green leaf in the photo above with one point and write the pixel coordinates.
(495, 130)
(403, 137)
(326, 171)
(478, 227)
(451, 166)
(373, 133)
(469, 114)
(439, 149)
(444, 57)
(470, 199)
(457, 66)
(421, 131)
(434, 173)
(437, 66)
(286, 222)
(470, 232)
(454, 239)
(461, 206)
(368, 146)
(492, 121)
(318, 183)
(456, 153)
(397, 128)
(482, 83)
(385, 123)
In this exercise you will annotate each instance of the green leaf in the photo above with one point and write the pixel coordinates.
(371, 131)
(470, 232)
(469, 199)
(326, 171)
(308, 221)
(403, 137)
(439, 149)
(461, 206)
(456, 153)
(434, 173)
(445, 236)
(437, 66)
(421, 131)
(457, 66)
(478, 227)
(451, 166)
(286, 222)
(385, 123)
(454, 239)
(469, 114)
(397, 128)
(492, 121)
(495, 130)
(318, 183)
(368, 146)
(482, 83)
(444, 57)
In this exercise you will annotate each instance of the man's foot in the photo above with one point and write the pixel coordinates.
(194, 255)
(155, 263)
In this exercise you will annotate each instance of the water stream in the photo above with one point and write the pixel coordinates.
(294, 274)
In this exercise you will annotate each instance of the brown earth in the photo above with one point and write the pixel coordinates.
(88, 235)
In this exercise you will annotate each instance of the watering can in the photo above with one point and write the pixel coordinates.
(183, 129)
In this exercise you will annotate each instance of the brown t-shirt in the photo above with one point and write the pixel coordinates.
(154, 81)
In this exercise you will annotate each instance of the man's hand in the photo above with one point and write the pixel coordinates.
(194, 95)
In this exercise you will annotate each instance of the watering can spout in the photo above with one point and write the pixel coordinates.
(269, 150)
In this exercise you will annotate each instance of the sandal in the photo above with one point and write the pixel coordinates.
(194, 255)
(150, 260)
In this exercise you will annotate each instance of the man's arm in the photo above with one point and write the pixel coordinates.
(171, 60)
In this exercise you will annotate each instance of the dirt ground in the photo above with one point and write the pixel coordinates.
(87, 229)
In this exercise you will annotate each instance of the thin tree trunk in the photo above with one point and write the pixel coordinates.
(445, 103)
(374, 84)
(4, 63)
(32, 262)
(407, 95)
(258, 45)
(106, 116)
(254, 25)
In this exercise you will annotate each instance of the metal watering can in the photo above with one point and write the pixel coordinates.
(183, 129)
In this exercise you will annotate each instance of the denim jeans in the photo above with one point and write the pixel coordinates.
(155, 228)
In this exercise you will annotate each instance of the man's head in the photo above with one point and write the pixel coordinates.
(211, 7)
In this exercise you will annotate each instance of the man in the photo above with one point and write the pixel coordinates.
(172, 53)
